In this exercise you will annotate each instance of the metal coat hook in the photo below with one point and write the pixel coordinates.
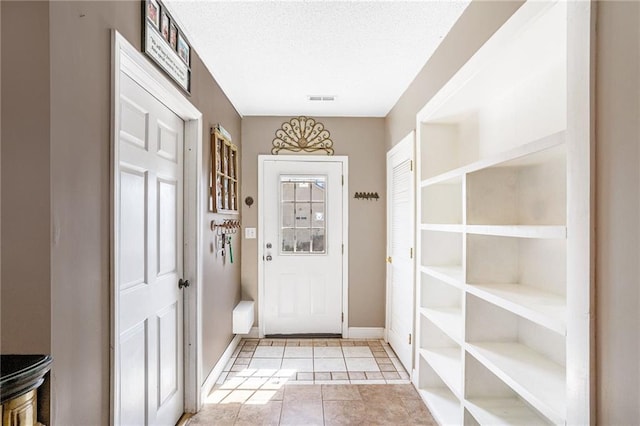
(226, 227)
(223, 231)
(366, 196)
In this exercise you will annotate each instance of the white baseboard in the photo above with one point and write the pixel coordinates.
(211, 379)
(354, 333)
(414, 379)
(366, 332)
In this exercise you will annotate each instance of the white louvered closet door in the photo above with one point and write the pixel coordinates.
(400, 232)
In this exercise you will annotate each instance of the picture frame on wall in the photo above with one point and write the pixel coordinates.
(183, 49)
(224, 179)
(164, 26)
(173, 36)
(164, 42)
(153, 13)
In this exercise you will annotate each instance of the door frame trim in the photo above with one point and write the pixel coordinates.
(406, 147)
(345, 230)
(127, 59)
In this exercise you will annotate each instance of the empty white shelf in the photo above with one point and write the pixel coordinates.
(546, 309)
(522, 151)
(447, 364)
(450, 177)
(443, 405)
(503, 411)
(442, 227)
(449, 320)
(535, 378)
(520, 231)
(449, 274)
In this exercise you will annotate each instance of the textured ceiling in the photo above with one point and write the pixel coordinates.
(269, 56)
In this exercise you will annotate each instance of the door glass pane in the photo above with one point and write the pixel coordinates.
(317, 191)
(302, 214)
(287, 191)
(303, 240)
(317, 215)
(288, 214)
(303, 191)
(288, 240)
(317, 240)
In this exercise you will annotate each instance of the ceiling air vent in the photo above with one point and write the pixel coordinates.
(321, 98)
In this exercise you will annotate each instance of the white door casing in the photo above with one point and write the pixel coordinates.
(302, 279)
(155, 132)
(400, 243)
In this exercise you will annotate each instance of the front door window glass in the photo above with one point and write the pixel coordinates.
(302, 214)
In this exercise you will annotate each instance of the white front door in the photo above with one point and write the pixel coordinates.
(400, 231)
(149, 238)
(302, 237)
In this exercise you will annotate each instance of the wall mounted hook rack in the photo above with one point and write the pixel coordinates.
(227, 226)
(366, 196)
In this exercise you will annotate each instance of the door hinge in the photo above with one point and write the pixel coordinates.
(342, 317)
(342, 180)
(411, 253)
(411, 165)
(343, 249)
(409, 338)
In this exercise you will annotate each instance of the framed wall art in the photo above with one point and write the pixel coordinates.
(152, 12)
(165, 44)
(224, 173)
(183, 49)
(164, 26)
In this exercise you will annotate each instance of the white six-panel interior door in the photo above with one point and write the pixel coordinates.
(150, 241)
(156, 217)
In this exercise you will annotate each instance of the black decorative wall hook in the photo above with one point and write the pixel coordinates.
(366, 196)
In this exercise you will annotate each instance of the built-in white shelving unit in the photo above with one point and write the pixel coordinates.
(496, 313)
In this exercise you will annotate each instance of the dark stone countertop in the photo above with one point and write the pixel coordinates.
(21, 373)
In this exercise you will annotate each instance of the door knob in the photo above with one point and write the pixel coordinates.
(269, 258)
(389, 259)
(182, 284)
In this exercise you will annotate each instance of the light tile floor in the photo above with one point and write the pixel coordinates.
(344, 382)
(316, 361)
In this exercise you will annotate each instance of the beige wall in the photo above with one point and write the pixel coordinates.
(618, 212)
(474, 27)
(80, 193)
(362, 140)
(26, 267)
(221, 284)
(55, 225)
